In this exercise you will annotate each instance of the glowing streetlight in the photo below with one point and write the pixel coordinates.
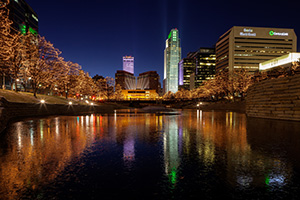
(70, 102)
(42, 101)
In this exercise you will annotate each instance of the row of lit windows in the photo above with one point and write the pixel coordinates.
(263, 39)
(247, 67)
(208, 64)
(263, 43)
(237, 46)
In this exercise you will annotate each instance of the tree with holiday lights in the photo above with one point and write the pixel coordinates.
(5, 39)
(41, 62)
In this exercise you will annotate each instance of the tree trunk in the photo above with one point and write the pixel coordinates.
(3, 82)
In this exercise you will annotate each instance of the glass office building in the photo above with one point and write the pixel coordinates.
(172, 56)
(198, 67)
(23, 16)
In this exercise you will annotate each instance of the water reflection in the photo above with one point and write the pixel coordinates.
(172, 141)
(192, 148)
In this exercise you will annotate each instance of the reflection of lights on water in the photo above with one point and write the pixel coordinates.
(244, 181)
(31, 136)
(42, 129)
(199, 115)
(87, 119)
(275, 180)
(19, 133)
(92, 118)
(57, 126)
(173, 176)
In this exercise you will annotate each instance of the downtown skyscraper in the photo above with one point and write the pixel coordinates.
(128, 64)
(172, 56)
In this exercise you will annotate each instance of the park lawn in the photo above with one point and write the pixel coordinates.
(26, 97)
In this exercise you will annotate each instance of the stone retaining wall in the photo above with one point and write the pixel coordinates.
(275, 99)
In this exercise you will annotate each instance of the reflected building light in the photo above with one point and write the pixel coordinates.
(57, 126)
(209, 153)
(227, 114)
(128, 151)
(230, 119)
(87, 120)
(244, 181)
(19, 133)
(275, 180)
(171, 151)
(31, 136)
(234, 119)
(42, 129)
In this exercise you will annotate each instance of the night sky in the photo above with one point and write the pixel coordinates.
(96, 34)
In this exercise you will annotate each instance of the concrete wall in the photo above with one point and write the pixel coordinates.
(275, 99)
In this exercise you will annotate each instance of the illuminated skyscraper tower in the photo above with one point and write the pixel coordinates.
(128, 64)
(171, 60)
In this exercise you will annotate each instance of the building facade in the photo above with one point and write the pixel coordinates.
(246, 47)
(128, 64)
(172, 56)
(149, 81)
(285, 61)
(206, 65)
(23, 16)
(197, 67)
(125, 79)
(139, 94)
(186, 74)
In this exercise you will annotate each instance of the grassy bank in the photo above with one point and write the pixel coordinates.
(25, 97)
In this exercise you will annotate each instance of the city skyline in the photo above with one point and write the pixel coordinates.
(98, 40)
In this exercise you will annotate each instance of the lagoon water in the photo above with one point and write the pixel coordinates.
(187, 154)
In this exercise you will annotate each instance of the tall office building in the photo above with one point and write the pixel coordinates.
(206, 65)
(246, 47)
(172, 56)
(187, 70)
(197, 67)
(128, 64)
(23, 16)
